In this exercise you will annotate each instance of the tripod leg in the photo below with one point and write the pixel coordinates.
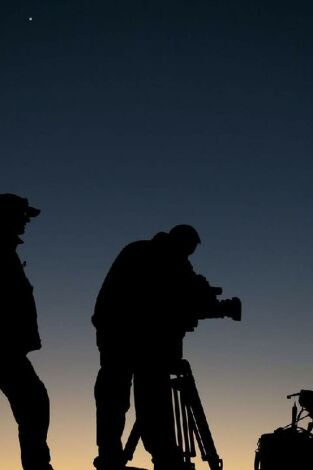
(177, 416)
(132, 442)
(199, 423)
(182, 416)
(191, 433)
(186, 429)
(203, 432)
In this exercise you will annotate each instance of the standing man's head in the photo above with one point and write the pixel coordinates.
(15, 213)
(185, 238)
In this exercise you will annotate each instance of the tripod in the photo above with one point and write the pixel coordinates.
(190, 422)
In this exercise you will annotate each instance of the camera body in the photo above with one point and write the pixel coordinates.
(224, 308)
(207, 305)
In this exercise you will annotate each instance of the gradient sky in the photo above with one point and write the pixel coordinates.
(122, 118)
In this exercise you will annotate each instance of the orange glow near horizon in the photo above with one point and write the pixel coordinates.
(72, 435)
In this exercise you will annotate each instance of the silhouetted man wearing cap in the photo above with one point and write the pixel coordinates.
(18, 336)
(141, 316)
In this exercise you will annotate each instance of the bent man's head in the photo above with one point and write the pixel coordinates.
(185, 238)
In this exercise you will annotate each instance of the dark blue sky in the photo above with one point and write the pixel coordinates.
(120, 119)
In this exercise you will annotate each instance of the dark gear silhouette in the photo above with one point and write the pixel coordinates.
(141, 315)
(18, 336)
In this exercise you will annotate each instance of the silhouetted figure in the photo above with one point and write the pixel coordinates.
(18, 336)
(306, 401)
(141, 315)
(289, 447)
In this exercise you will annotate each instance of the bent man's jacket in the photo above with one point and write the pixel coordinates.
(18, 316)
(145, 296)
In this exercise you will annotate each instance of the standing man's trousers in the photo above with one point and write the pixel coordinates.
(30, 405)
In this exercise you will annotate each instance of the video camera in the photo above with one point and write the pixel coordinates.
(207, 305)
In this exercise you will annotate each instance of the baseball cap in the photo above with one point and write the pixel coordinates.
(11, 203)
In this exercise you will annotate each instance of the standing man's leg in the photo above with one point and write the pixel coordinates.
(30, 405)
(112, 395)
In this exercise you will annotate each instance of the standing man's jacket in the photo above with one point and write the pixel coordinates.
(18, 317)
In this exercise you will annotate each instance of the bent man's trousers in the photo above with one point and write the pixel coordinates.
(152, 393)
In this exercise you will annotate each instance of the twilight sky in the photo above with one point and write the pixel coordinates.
(122, 118)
